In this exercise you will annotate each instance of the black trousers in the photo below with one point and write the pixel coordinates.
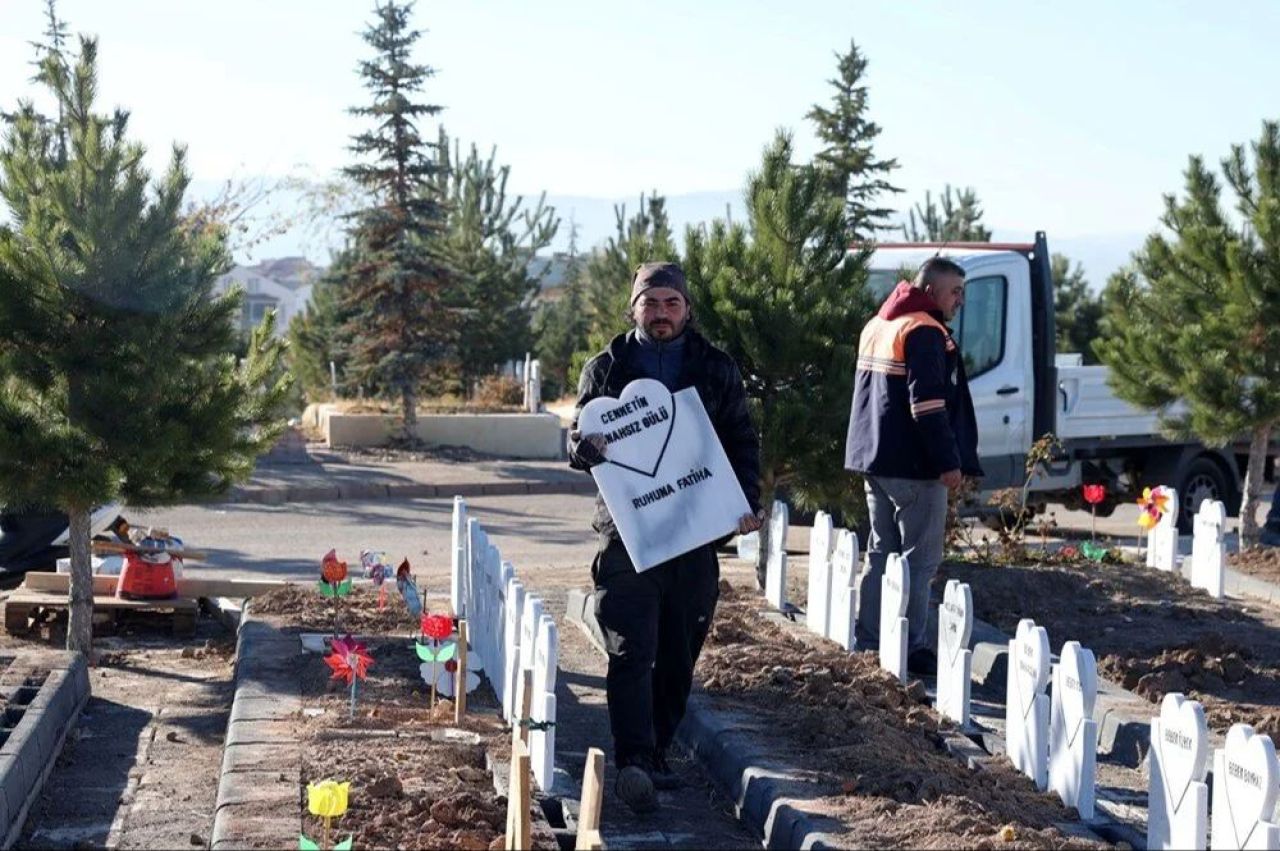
(654, 624)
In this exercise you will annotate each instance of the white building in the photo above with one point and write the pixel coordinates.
(283, 285)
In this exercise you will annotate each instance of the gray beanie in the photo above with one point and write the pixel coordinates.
(652, 275)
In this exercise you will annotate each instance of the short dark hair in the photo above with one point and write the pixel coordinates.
(934, 268)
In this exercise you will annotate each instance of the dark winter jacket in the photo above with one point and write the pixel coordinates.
(912, 416)
(719, 385)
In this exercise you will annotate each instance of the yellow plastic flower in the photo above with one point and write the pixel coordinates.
(328, 798)
(1154, 504)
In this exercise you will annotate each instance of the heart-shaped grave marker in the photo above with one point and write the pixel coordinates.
(1184, 746)
(896, 587)
(636, 426)
(1030, 663)
(1078, 676)
(1251, 775)
(955, 620)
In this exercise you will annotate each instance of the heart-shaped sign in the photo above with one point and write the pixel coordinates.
(1249, 760)
(820, 539)
(897, 584)
(955, 620)
(636, 426)
(1030, 663)
(1183, 744)
(1078, 678)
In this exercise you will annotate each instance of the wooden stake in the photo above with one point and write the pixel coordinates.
(519, 828)
(460, 685)
(592, 798)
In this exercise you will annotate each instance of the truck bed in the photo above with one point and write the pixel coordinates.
(1087, 408)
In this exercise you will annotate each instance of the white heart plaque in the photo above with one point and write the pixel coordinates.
(1030, 663)
(636, 426)
(1079, 679)
(955, 619)
(1184, 746)
(1251, 778)
(896, 586)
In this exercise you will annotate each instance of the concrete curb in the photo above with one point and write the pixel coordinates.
(262, 756)
(28, 755)
(415, 490)
(766, 796)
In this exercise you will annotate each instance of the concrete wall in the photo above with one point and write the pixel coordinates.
(504, 435)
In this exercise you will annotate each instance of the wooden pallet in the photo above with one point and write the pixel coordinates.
(27, 610)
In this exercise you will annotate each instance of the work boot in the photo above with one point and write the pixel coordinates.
(664, 779)
(922, 662)
(635, 788)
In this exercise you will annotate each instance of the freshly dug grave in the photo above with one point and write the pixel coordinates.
(1262, 562)
(358, 613)
(871, 739)
(1150, 631)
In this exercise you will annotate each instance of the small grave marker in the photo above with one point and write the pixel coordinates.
(895, 587)
(1245, 781)
(1162, 544)
(1177, 796)
(458, 564)
(955, 659)
(843, 615)
(775, 583)
(1073, 734)
(510, 665)
(1026, 704)
(818, 605)
(1208, 553)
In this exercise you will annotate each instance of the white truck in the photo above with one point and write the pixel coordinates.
(1022, 390)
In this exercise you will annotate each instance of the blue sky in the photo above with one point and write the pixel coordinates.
(1073, 118)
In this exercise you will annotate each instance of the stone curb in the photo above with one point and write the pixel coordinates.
(377, 490)
(261, 758)
(765, 798)
(28, 755)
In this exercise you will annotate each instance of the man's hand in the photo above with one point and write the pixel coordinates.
(590, 447)
(952, 479)
(749, 523)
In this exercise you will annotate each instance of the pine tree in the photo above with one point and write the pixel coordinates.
(316, 336)
(956, 218)
(1077, 311)
(398, 284)
(561, 326)
(115, 354)
(492, 242)
(781, 296)
(847, 160)
(1197, 319)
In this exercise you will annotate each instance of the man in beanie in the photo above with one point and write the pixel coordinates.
(654, 622)
(913, 435)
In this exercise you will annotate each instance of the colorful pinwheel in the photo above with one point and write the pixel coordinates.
(326, 800)
(1154, 503)
(376, 567)
(408, 589)
(350, 661)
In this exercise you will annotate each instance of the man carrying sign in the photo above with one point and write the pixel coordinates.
(655, 622)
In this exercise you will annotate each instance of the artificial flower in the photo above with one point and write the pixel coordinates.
(437, 626)
(332, 570)
(1094, 494)
(328, 798)
(350, 659)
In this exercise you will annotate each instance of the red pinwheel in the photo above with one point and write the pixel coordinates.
(350, 659)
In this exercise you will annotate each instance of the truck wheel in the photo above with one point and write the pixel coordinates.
(1203, 480)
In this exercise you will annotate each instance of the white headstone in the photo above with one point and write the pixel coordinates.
(458, 562)
(497, 630)
(1026, 704)
(1208, 553)
(1162, 543)
(895, 588)
(535, 387)
(775, 582)
(955, 659)
(477, 545)
(491, 626)
(529, 620)
(666, 479)
(510, 670)
(547, 655)
(542, 743)
(818, 605)
(1246, 779)
(1177, 796)
(1073, 734)
(843, 615)
(748, 546)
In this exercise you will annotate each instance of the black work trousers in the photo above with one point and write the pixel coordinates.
(654, 624)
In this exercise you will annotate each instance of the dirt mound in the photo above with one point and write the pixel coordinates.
(1262, 562)
(303, 606)
(871, 738)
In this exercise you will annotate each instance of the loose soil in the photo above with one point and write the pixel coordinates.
(871, 739)
(1262, 562)
(1150, 631)
(411, 787)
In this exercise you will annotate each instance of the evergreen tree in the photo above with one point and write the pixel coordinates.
(491, 246)
(782, 297)
(644, 237)
(398, 283)
(561, 326)
(850, 169)
(1077, 311)
(114, 352)
(316, 336)
(956, 218)
(1197, 319)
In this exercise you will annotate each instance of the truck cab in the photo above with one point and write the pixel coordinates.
(1022, 390)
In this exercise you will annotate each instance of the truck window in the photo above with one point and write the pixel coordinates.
(980, 324)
